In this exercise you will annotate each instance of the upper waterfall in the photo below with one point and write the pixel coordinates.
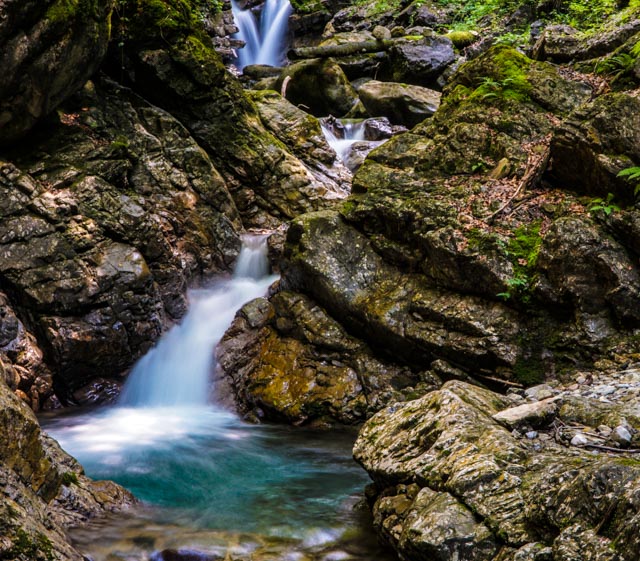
(177, 370)
(264, 39)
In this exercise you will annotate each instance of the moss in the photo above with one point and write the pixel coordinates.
(308, 6)
(30, 548)
(69, 478)
(461, 39)
(65, 10)
(529, 370)
(507, 76)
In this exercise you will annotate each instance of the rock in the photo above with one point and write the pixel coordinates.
(597, 141)
(320, 86)
(289, 359)
(446, 448)
(562, 43)
(579, 440)
(622, 436)
(537, 415)
(539, 392)
(103, 231)
(184, 555)
(43, 490)
(179, 70)
(400, 103)
(421, 61)
(302, 135)
(49, 50)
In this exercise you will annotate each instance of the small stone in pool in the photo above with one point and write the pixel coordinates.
(183, 555)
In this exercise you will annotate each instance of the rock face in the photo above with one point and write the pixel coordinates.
(102, 231)
(287, 359)
(450, 482)
(49, 49)
(43, 489)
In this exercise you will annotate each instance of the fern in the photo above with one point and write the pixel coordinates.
(632, 175)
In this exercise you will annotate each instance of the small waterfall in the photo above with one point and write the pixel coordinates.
(342, 136)
(264, 40)
(176, 372)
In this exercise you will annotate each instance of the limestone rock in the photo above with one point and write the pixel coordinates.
(536, 414)
(49, 49)
(402, 104)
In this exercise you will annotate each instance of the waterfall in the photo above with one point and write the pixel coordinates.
(342, 136)
(176, 372)
(264, 40)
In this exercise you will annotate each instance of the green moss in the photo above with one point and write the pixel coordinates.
(66, 10)
(69, 477)
(529, 371)
(308, 6)
(461, 39)
(507, 78)
(30, 548)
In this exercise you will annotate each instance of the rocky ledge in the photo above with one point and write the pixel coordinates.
(44, 490)
(465, 473)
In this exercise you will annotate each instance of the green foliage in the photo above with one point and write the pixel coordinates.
(523, 250)
(34, 548)
(508, 79)
(66, 10)
(632, 175)
(69, 477)
(616, 66)
(603, 205)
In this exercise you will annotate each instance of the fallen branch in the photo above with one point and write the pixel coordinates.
(536, 165)
(344, 49)
(499, 380)
(611, 449)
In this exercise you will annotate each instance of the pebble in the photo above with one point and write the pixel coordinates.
(532, 434)
(621, 435)
(604, 430)
(579, 440)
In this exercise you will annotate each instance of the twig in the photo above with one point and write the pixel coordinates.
(499, 380)
(611, 449)
(536, 164)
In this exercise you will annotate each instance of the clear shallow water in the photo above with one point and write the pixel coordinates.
(207, 469)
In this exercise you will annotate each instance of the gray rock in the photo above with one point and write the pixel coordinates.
(537, 415)
(622, 436)
(579, 440)
(402, 104)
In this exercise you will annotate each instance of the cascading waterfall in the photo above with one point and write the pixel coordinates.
(264, 39)
(342, 138)
(176, 372)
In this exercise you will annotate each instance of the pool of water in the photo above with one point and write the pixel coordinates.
(204, 478)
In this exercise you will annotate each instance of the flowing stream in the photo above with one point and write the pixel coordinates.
(201, 472)
(264, 37)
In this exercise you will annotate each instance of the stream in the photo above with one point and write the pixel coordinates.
(207, 480)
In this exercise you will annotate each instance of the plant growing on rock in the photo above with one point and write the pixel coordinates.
(632, 175)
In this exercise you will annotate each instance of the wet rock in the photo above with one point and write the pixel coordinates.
(421, 61)
(99, 391)
(43, 490)
(184, 555)
(320, 86)
(102, 238)
(622, 436)
(287, 358)
(49, 49)
(402, 104)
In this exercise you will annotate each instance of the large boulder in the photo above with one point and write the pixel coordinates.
(48, 50)
(105, 221)
(419, 61)
(402, 104)
(44, 491)
(441, 458)
(320, 86)
(287, 359)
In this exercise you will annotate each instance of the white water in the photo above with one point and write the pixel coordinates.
(265, 39)
(341, 142)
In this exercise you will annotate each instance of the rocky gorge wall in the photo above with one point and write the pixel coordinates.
(493, 244)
